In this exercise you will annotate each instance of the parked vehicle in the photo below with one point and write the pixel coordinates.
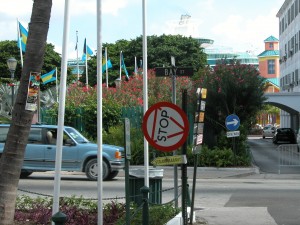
(78, 153)
(285, 135)
(268, 131)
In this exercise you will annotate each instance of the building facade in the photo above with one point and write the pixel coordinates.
(289, 51)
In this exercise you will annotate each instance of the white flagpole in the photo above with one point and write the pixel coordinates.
(86, 66)
(145, 92)
(120, 65)
(20, 43)
(106, 67)
(135, 66)
(61, 110)
(56, 86)
(99, 113)
(77, 56)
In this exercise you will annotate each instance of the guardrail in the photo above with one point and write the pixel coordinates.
(288, 156)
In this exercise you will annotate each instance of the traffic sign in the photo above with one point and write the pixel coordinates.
(165, 126)
(230, 134)
(169, 160)
(232, 122)
(178, 71)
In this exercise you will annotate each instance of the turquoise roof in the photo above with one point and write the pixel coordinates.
(267, 53)
(274, 81)
(271, 39)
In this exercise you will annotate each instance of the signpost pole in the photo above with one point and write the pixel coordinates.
(174, 152)
(127, 158)
(184, 166)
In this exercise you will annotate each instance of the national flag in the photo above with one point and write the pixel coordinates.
(109, 64)
(87, 52)
(23, 37)
(48, 77)
(123, 65)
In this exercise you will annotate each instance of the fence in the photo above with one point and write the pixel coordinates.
(288, 156)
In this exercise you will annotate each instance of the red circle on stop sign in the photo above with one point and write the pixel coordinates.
(165, 126)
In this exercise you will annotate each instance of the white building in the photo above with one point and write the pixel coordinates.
(289, 51)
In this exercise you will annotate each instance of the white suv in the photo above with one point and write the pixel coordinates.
(268, 131)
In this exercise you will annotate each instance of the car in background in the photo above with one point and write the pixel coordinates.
(268, 131)
(78, 153)
(285, 135)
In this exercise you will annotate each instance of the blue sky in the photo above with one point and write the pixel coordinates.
(240, 24)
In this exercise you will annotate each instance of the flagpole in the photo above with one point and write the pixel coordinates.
(77, 56)
(120, 65)
(20, 43)
(106, 67)
(135, 66)
(145, 93)
(86, 68)
(56, 84)
(99, 114)
(61, 110)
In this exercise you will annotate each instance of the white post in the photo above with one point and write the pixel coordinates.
(145, 92)
(61, 110)
(106, 67)
(77, 56)
(120, 66)
(99, 113)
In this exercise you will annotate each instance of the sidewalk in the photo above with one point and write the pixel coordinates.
(227, 215)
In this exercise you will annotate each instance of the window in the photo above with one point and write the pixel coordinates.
(35, 136)
(271, 66)
(271, 46)
(3, 134)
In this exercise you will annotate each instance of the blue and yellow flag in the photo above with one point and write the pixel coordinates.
(109, 64)
(48, 77)
(87, 52)
(23, 37)
(123, 65)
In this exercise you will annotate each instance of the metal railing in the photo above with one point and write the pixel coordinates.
(288, 156)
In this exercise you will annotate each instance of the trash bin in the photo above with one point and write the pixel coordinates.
(136, 182)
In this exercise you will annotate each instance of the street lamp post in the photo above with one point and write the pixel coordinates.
(12, 64)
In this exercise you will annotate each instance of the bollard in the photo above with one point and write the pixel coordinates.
(145, 193)
(59, 218)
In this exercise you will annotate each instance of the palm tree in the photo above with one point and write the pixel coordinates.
(13, 155)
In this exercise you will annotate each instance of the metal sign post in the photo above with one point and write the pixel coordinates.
(174, 72)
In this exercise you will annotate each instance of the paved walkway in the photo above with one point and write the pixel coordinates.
(226, 215)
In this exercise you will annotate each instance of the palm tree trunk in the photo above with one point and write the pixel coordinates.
(13, 154)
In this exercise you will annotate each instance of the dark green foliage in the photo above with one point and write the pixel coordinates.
(10, 49)
(232, 89)
(186, 51)
(159, 215)
(222, 157)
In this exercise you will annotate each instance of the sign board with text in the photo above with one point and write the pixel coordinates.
(178, 71)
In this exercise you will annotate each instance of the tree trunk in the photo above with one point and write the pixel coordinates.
(12, 158)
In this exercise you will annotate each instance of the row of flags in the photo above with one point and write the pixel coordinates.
(87, 53)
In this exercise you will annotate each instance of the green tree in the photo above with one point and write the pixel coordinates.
(10, 49)
(232, 89)
(186, 51)
(13, 154)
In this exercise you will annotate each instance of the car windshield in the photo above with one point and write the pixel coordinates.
(76, 135)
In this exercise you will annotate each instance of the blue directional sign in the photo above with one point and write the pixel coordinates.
(232, 122)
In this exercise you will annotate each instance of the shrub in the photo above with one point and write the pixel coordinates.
(37, 211)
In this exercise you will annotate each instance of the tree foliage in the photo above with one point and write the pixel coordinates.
(186, 51)
(232, 89)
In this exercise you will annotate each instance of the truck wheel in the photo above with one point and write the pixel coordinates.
(91, 169)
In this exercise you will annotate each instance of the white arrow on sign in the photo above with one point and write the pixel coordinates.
(234, 122)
